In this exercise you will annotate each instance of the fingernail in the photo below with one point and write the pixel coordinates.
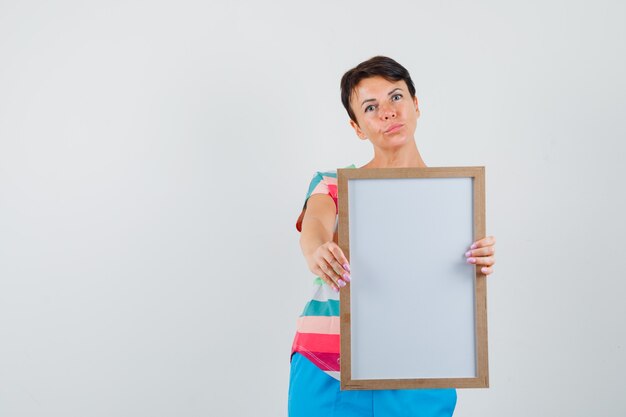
(468, 253)
(346, 277)
(483, 270)
(335, 288)
(341, 283)
(346, 267)
(473, 246)
(471, 260)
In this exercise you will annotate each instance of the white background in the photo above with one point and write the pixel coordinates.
(154, 157)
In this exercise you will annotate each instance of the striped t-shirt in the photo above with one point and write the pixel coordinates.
(317, 329)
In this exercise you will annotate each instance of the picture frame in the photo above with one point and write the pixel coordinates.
(414, 314)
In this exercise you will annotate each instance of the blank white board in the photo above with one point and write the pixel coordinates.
(412, 296)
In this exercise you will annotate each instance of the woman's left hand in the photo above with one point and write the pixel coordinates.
(483, 252)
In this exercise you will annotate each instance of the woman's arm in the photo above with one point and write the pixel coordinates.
(323, 256)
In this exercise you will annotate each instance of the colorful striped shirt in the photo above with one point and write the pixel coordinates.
(317, 329)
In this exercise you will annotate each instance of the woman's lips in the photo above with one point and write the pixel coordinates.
(394, 128)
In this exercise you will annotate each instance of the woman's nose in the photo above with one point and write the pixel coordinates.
(387, 112)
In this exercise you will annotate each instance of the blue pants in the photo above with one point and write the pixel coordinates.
(313, 393)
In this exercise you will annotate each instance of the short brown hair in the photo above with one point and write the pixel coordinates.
(381, 66)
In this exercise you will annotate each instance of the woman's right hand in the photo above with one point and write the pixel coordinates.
(329, 263)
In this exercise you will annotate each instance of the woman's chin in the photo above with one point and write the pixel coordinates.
(396, 141)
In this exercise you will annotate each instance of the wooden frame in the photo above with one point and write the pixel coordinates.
(366, 366)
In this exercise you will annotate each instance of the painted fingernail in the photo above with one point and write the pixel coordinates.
(341, 283)
(346, 277)
(473, 246)
(468, 253)
(483, 270)
(346, 267)
(471, 260)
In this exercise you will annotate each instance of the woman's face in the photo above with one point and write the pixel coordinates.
(385, 111)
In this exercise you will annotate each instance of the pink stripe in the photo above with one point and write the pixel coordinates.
(318, 324)
(314, 342)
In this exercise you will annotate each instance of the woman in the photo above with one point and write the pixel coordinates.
(379, 96)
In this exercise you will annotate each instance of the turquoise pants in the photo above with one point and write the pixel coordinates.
(313, 393)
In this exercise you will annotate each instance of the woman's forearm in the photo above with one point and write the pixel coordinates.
(313, 234)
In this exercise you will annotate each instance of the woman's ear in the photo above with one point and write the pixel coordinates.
(417, 110)
(357, 130)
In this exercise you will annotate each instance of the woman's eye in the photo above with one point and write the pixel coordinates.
(396, 97)
(369, 108)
